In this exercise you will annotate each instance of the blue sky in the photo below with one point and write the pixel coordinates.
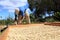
(7, 7)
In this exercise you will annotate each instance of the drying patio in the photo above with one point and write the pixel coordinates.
(31, 32)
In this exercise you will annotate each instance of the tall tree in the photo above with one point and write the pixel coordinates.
(57, 16)
(44, 5)
(41, 6)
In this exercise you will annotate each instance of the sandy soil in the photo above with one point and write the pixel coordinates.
(39, 32)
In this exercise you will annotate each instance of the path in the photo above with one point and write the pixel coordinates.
(33, 32)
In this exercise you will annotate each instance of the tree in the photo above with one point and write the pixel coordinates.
(41, 6)
(57, 16)
(9, 20)
(56, 5)
(44, 5)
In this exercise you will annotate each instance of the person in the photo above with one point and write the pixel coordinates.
(27, 15)
(18, 16)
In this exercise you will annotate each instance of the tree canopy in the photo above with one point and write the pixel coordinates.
(44, 5)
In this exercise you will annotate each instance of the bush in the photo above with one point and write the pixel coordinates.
(7, 21)
(32, 18)
(50, 20)
(57, 16)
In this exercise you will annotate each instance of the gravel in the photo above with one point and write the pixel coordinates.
(42, 32)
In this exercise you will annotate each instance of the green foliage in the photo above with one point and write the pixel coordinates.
(57, 16)
(56, 5)
(41, 7)
(2, 22)
(36, 20)
(50, 20)
(32, 18)
(9, 21)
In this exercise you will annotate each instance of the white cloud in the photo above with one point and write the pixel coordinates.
(6, 3)
(12, 4)
(11, 10)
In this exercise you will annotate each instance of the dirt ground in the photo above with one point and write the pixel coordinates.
(31, 32)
